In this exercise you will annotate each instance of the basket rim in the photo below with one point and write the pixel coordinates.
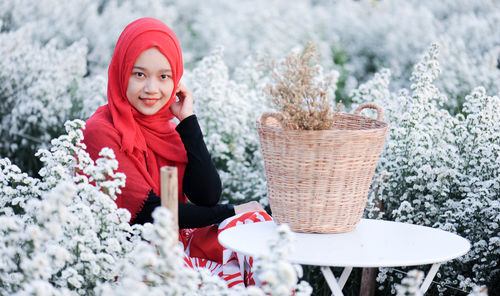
(384, 125)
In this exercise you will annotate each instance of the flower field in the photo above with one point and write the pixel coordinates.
(433, 66)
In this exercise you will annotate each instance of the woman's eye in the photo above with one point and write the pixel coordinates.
(164, 76)
(139, 74)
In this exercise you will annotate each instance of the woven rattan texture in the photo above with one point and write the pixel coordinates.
(318, 181)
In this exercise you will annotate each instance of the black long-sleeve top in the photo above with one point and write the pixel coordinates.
(201, 184)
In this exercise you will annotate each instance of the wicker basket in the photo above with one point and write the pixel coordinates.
(318, 181)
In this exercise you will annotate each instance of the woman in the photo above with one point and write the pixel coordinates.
(144, 94)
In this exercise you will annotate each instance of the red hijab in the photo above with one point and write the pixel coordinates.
(145, 142)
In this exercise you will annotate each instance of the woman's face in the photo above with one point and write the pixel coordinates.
(150, 84)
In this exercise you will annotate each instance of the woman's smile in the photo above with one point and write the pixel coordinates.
(150, 101)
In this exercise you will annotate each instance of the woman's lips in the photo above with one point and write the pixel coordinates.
(149, 101)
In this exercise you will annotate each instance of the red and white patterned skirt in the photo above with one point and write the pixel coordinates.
(202, 250)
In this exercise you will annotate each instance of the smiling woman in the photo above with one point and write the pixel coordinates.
(144, 95)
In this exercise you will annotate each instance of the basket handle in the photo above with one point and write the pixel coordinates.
(380, 112)
(277, 116)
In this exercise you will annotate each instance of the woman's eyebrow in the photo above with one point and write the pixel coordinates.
(144, 69)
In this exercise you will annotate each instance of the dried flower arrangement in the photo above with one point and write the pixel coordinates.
(300, 92)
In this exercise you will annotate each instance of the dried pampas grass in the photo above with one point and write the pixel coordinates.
(300, 93)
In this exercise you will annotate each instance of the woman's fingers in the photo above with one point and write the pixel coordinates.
(252, 206)
(183, 92)
(184, 107)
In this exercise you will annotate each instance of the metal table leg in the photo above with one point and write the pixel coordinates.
(428, 279)
(335, 286)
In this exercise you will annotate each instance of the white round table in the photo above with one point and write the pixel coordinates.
(374, 243)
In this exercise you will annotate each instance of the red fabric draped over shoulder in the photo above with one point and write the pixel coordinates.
(142, 143)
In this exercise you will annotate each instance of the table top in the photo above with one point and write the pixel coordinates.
(374, 243)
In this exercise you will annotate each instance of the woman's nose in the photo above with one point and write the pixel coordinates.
(151, 86)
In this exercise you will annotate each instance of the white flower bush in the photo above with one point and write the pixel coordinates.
(99, 22)
(358, 38)
(410, 285)
(41, 87)
(440, 170)
(156, 267)
(64, 235)
(64, 229)
(279, 277)
(227, 110)
(243, 28)
(371, 35)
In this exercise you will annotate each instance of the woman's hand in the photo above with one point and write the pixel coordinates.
(248, 207)
(184, 106)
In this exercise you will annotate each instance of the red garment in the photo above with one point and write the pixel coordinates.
(147, 142)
